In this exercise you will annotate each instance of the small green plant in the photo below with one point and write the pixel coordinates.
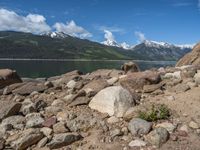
(156, 113)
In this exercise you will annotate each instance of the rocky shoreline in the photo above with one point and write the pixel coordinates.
(106, 109)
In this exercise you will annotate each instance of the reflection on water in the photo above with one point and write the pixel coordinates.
(43, 68)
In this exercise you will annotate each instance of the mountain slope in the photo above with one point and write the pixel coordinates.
(62, 46)
(152, 50)
(26, 45)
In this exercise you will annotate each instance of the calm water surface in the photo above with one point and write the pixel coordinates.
(44, 68)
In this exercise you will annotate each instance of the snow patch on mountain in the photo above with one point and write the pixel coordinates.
(126, 46)
(156, 44)
(186, 46)
(56, 34)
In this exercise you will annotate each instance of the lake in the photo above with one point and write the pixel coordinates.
(48, 68)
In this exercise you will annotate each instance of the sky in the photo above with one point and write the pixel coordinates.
(130, 21)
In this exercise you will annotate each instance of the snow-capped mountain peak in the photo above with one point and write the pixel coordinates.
(56, 34)
(190, 46)
(110, 43)
(157, 44)
(123, 45)
(166, 45)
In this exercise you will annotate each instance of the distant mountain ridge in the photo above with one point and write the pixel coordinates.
(58, 45)
(148, 43)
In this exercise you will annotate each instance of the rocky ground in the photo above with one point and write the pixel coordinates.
(102, 110)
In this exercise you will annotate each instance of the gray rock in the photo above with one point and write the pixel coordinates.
(26, 138)
(30, 87)
(27, 109)
(9, 108)
(137, 143)
(46, 131)
(113, 100)
(168, 126)
(139, 126)
(80, 101)
(96, 85)
(8, 89)
(188, 72)
(52, 110)
(49, 84)
(130, 67)
(194, 125)
(113, 120)
(34, 120)
(57, 102)
(152, 88)
(81, 123)
(15, 121)
(8, 77)
(115, 132)
(136, 80)
(62, 116)
(71, 84)
(64, 139)
(174, 75)
(179, 88)
(40, 105)
(60, 127)
(112, 80)
(158, 136)
(42, 142)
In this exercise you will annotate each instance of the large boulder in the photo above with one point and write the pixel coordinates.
(130, 67)
(192, 58)
(137, 80)
(8, 77)
(113, 100)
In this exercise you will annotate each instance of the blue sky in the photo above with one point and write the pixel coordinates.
(130, 21)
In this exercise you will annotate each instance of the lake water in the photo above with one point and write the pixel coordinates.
(44, 68)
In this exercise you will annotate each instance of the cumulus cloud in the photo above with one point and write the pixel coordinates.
(109, 36)
(72, 29)
(140, 36)
(34, 23)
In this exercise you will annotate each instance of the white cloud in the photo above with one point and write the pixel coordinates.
(140, 36)
(109, 36)
(34, 23)
(72, 29)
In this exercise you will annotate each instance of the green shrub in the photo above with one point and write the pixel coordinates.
(156, 113)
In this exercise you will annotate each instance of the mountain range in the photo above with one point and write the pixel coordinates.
(58, 45)
(148, 43)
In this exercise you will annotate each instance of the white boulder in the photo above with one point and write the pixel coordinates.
(113, 100)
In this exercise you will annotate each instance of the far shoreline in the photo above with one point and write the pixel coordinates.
(84, 60)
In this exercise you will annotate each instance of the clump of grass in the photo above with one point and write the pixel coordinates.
(156, 113)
